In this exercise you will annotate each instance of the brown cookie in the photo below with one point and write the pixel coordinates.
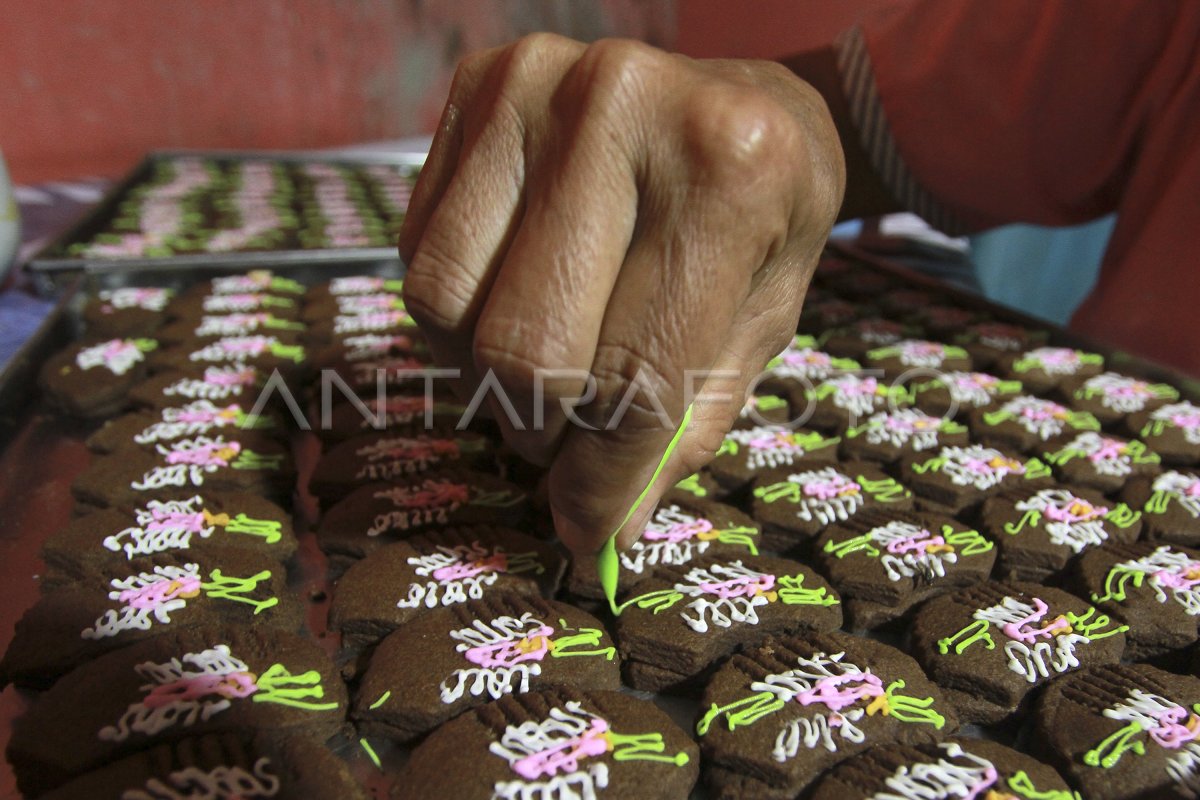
(1170, 505)
(883, 562)
(126, 311)
(221, 385)
(1101, 461)
(990, 646)
(677, 624)
(186, 683)
(990, 341)
(1111, 396)
(887, 436)
(958, 393)
(1122, 731)
(146, 429)
(861, 336)
(453, 659)
(1172, 431)
(1027, 424)
(844, 401)
(401, 581)
(93, 379)
(956, 480)
(555, 743)
(747, 453)
(1044, 369)
(776, 717)
(918, 356)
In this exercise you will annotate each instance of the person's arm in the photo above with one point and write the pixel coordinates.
(620, 216)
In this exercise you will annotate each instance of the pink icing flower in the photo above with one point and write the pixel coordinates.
(175, 520)
(153, 595)
(1186, 419)
(922, 543)
(831, 488)
(215, 454)
(859, 388)
(1109, 450)
(533, 647)
(840, 691)
(1172, 731)
(1075, 509)
(679, 531)
(432, 494)
(1023, 631)
(745, 586)
(565, 756)
(807, 358)
(496, 562)
(1183, 579)
(781, 440)
(231, 686)
(220, 377)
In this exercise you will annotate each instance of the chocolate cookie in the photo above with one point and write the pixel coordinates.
(374, 515)
(180, 684)
(958, 393)
(351, 284)
(701, 485)
(197, 304)
(1123, 731)
(128, 311)
(951, 770)
(682, 529)
(445, 662)
(1027, 424)
(221, 766)
(318, 309)
(774, 718)
(1044, 369)
(677, 624)
(861, 336)
(556, 743)
(265, 351)
(802, 363)
(113, 608)
(1042, 633)
(1111, 396)
(92, 380)
(1040, 530)
(1172, 431)
(258, 280)
(409, 415)
(889, 435)
(918, 356)
(764, 410)
(390, 320)
(1101, 461)
(1154, 588)
(832, 312)
(842, 402)
(989, 341)
(400, 581)
(215, 326)
(147, 429)
(942, 321)
(1170, 506)
(958, 479)
(794, 505)
(223, 386)
(747, 453)
(210, 463)
(380, 457)
(115, 536)
(884, 562)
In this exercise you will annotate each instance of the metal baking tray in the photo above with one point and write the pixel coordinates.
(41, 453)
(50, 264)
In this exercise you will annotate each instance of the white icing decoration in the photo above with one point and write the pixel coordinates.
(1054, 360)
(977, 466)
(188, 461)
(118, 356)
(430, 503)
(828, 496)
(235, 348)
(970, 388)
(1165, 567)
(648, 553)
(149, 299)
(1119, 393)
(1181, 488)
(195, 418)
(368, 323)
(1151, 711)
(1042, 418)
(531, 738)
(169, 581)
(942, 779)
(923, 563)
(802, 362)
(487, 562)
(371, 345)
(1182, 416)
(355, 284)
(755, 589)
(855, 394)
(219, 783)
(767, 447)
(231, 325)
(218, 383)
(920, 353)
(903, 427)
(1032, 663)
(1106, 455)
(495, 681)
(154, 534)
(1084, 523)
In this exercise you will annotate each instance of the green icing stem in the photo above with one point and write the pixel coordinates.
(608, 563)
(371, 754)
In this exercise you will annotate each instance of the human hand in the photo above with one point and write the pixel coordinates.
(618, 215)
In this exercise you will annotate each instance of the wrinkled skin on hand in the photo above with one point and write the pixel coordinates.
(616, 210)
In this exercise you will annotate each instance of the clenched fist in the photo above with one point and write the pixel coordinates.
(615, 223)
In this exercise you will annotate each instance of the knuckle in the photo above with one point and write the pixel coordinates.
(617, 69)
(437, 291)
(531, 59)
(617, 369)
(739, 133)
(517, 370)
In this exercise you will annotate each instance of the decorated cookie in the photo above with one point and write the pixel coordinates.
(883, 562)
(1111, 396)
(92, 380)
(957, 479)
(774, 718)
(1027, 424)
(1101, 461)
(266, 351)
(352, 303)
(555, 743)
(400, 581)
(918, 357)
(379, 457)
(990, 341)
(409, 415)
(259, 280)
(1123, 731)
(794, 505)
(861, 282)
(215, 326)
(145, 430)
(180, 684)
(323, 293)
(222, 766)
(764, 410)
(249, 463)
(195, 305)
(677, 624)
(682, 529)
(802, 363)
(117, 536)
(1170, 506)
(222, 386)
(396, 374)
(113, 608)
(951, 770)
(388, 318)
(959, 393)
(447, 661)
(903, 303)
(373, 515)
(989, 646)
(845, 401)
(888, 435)
(128, 311)
(861, 336)
(700, 485)
(942, 321)
(1172, 431)
(1154, 588)
(1040, 530)
(1044, 369)
(747, 453)
(834, 312)
(369, 347)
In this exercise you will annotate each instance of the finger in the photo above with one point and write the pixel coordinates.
(673, 306)
(460, 248)
(540, 326)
